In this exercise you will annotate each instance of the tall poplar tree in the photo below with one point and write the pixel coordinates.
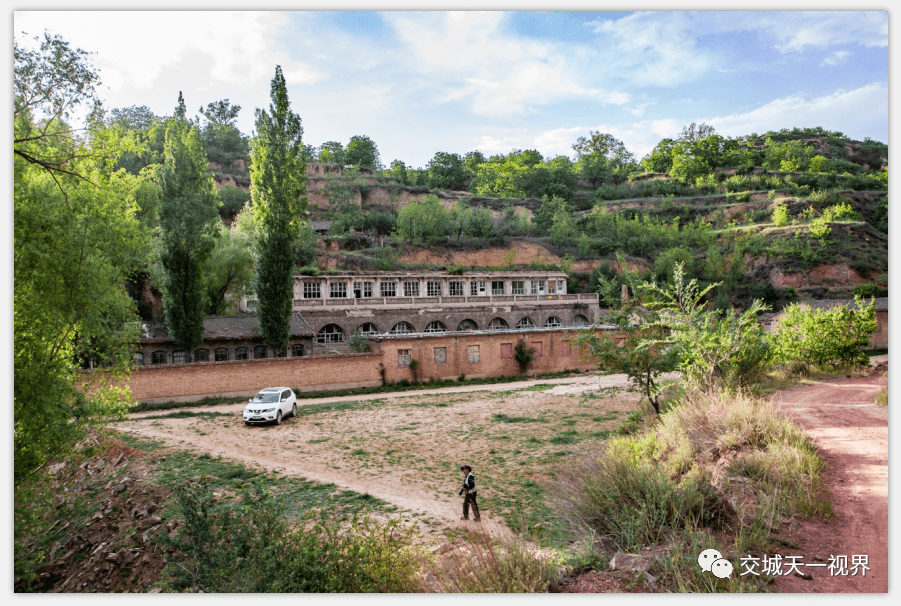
(277, 185)
(188, 221)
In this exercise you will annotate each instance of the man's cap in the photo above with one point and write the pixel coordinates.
(465, 467)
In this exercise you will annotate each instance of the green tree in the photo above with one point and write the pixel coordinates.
(829, 338)
(233, 200)
(632, 347)
(332, 152)
(446, 171)
(424, 221)
(550, 206)
(715, 348)
(398, 170)
(189, 213)
(695, 158)
(227, 271)
(278, 187)
(601, 157)
(221, 113)
(362, 152)
(660, 160)
(76, 239)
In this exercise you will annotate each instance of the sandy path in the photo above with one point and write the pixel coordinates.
(852, 433)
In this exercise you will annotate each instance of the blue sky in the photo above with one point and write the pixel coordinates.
(422, 82)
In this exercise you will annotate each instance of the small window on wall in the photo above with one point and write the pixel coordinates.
(551, 287)
(221, 354)
(440, 355)
(497, 287)
(402, 328)
(537, 347)
(456, 289)
(330, 333)
(580, 320)
(337, 290)
(312, 290)
(561, 287)
(259, 352)
(473, 351)
(139, 359)
(411, 289)
(498, 324)
(388, 289)
(297, 350)
(435, 326)
(241, 353)
(362, 289)
(180, 357)
(519, 287)
(403, 357)
(158, 357)
(525, 322)
(553, 322)
(506, 351)
(202, 355)
(433, 289)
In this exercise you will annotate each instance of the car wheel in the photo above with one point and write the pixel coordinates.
(294, 410)
(278, 418)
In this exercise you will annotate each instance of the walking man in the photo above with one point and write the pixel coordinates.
(469, 487)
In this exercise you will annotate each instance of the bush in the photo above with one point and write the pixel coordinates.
(828, 338)
(251, 548)
(358, 343)
(482, 566)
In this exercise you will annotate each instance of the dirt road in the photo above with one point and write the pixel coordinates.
(852, 433)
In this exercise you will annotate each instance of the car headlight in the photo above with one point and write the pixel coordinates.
(269, 409)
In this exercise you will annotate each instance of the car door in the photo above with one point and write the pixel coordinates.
(285, 402)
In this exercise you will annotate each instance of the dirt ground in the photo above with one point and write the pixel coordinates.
(407, 449)
(852, 433)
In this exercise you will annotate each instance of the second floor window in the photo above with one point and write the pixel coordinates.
(388, 289)
(311, 290)
(433, 289)
(411, 289)
(456, 289)
(519, 287)
(338, 290)
(497, 287)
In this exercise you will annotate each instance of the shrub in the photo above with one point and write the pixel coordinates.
(481, 565)
(829, 338)
(251, 548)
(524, 354)
(780, 214)
(358, 343)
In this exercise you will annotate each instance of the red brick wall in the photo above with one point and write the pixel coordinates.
(187, 382)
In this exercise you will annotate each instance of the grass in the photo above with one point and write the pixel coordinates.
(715, 470)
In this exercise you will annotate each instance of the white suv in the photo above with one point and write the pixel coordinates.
(271, 404)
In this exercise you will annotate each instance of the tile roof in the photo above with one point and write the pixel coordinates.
(881, 303)
(225, 328)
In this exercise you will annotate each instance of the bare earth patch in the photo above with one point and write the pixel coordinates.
(407, 449)
(852, 433)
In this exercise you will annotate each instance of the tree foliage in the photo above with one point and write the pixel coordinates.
(227, 271)
(76, 239)
(603, 158)
(278, 187)
(189, 213)
(424, 221)
(446, 171)
(830, 338)
(362, 152)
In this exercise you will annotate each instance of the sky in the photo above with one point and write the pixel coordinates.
(418, 83)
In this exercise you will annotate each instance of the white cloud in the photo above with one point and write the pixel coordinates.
(836, 58)
(470, 56)
(857, 113)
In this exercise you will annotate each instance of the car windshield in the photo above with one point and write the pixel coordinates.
(266, 396)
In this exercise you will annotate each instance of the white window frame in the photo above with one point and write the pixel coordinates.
(433, 289)
(388, 289)
(411, 289)
(312, 290)
(455, 289)
(403, 358)
(518, 287)
(337, 290)
(435, 326)
(498, 290)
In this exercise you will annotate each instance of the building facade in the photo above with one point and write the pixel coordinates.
(409, 303)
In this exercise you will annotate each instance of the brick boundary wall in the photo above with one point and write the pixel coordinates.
(198, 380)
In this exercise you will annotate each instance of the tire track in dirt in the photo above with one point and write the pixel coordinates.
(852, 434)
